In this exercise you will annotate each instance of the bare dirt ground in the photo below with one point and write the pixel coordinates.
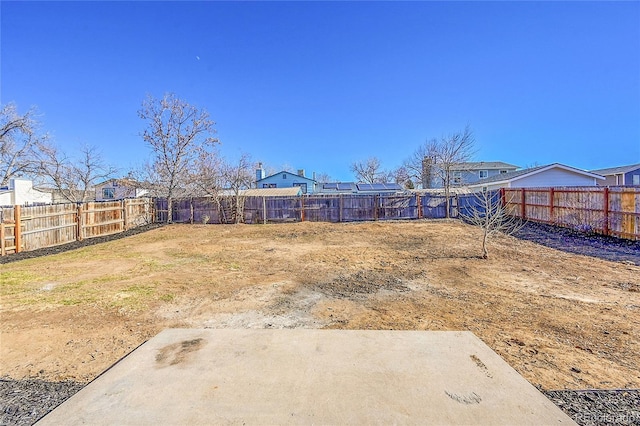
(563, 321)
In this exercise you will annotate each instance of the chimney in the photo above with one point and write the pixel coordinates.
(314, 175)
(259, 172)
(427, 172)
(301, 172)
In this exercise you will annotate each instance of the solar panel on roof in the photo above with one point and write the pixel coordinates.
(330, 186)
(344, 186)
(378, 186)
(364, 187)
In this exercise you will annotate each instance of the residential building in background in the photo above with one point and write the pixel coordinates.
(620, 176)
(551, 175)
(20, 192)
(286, 179)
(118, 189)
(463, 174)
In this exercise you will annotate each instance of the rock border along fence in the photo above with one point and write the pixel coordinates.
(26, 228)
(611, 211)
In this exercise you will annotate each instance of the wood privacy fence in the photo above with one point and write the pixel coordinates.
(610, 211)
(605, 210)
(26, 228)
(313, 208)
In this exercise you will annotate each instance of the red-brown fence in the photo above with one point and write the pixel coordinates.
(605, 210)
(26, 228)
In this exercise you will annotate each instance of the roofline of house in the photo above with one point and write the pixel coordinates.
(285, 171)
(536, 171)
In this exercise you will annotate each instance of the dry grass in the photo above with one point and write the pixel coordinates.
(548, 313)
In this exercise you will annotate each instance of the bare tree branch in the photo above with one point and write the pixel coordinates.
(75, 178)
(369, 171)
(489, 213)
(20, 145)
(177, 134)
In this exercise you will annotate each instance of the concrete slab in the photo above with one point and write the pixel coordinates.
(185, 376)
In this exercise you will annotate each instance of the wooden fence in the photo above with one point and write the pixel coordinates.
(609, 211)
(26, 228)
(314, 208)
(605, 210)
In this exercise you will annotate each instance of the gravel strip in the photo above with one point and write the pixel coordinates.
(77, 244)
(594, 245)
(23, 402)
(599, 407)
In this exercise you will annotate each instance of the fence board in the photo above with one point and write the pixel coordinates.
(55, 224)
(605, 210)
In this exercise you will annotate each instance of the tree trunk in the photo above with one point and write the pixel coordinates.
(169, 208)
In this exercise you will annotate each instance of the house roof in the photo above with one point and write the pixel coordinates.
(483, 165)
(519, 174)
(297, 176)
(126, 181)
(272, 192)
(617, 170)
(332, 187)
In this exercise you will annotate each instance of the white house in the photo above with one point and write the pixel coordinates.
(552, 175)
(118, 189)
(20, 192)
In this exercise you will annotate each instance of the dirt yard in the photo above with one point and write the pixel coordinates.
(563, 321)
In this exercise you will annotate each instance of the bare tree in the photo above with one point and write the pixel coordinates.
(237, 177)
(75, 178)
(369, 171)
(450, 153)
(402, 177)
(20, 145)
(488, 212)
(419, 166)
(323, 178)
(177, 134)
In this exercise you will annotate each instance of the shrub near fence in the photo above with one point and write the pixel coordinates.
(26, 228)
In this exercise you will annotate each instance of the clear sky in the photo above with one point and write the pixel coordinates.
(319, 85)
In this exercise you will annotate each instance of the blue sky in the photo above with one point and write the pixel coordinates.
(319, 85)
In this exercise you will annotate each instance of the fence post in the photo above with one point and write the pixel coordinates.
(3, 250)
(80, 220)
(17, 232)
(376, 200)
(419, 203)
(551, 204)
(302, 208)
(264, 210)
(340, 204)
(125, 225)
(523, 207)
(605, 207)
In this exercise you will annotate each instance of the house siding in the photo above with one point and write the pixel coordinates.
(288, 180)
(628, 177)
(21, 192)
(120, 191)
(553, 177)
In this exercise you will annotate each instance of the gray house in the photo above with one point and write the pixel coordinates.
(469, 173)
(620, 176)
(551, 175)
